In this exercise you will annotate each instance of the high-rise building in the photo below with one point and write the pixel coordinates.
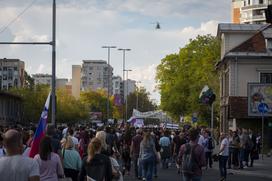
(11, 73)
(249, 11)
(76, 76)
(95, 75)
(130, 86)
(45, 79)
(236, 10)
(42, 79)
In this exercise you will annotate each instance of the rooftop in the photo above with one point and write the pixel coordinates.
(240, 28)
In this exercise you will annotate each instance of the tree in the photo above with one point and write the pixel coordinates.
(29, 81)
(181, 77)
(144, 102)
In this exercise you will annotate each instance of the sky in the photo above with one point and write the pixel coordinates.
(84, 26)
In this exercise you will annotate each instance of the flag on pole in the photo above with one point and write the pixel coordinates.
(40, 131)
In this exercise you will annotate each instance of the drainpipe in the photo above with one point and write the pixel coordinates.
(236, 77)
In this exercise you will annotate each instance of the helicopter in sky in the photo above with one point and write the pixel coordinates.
(157, 25)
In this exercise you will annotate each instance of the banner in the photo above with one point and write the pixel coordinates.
(40, 131)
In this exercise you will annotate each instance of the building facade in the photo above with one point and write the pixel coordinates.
(249, 11)
(10, 109)
(129, 87)
(11, 73)
(246, 54)
(95, 75)
(76, 80)
(42, 79)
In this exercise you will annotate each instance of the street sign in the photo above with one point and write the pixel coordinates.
(263, 108)
(194, 119)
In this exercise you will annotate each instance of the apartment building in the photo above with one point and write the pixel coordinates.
(11, 73)
(249, 11)
(95, 75)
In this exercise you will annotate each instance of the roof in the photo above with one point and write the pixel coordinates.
(95, 61)
(241, 28)
(254, 47)
(6, 94)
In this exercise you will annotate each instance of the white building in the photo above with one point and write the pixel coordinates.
(246, 54)
(130, 86)
(117, 85)
(11, 73)
(95, 75)
(42, 79)
(45, 79)
(249, 11)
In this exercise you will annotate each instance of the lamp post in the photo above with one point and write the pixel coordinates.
(137, 96)
(127, 92)
(124, 50)
(108, 94)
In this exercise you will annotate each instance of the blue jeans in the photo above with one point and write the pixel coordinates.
(223, 165)
(148, 165)
(191, 178)
(241, 157)
(155, 168)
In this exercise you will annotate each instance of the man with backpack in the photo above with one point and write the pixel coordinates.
(208, 148)
(192, 158)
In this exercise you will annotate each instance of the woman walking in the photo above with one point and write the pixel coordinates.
(147, 155)
(71, 160)
(49, 162)
(96, 166)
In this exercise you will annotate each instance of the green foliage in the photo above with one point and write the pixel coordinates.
(97, 102)
(181, 77)
(144, 102)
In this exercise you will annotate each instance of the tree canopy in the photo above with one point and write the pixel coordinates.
(181, 76)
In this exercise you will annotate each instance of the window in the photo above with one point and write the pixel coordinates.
(261, 2)
(269, 43)
(266, 78)
(248, 2)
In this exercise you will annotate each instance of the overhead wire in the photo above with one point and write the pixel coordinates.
(4, 28)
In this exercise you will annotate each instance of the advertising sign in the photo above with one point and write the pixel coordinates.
(258, 95)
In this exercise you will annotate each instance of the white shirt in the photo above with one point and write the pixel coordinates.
(225, 144)
(75, 141)
(18, 168)
(201, 141)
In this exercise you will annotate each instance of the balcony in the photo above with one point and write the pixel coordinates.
(253, 7)
(253, 18)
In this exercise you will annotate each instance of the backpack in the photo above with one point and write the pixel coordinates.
(210, 144)
(188, 160)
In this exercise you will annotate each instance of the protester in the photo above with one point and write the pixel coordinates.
(254, 155)
(71, 159)
(208, 148)
(147, 155)
(135, 151)
(223, 156)
(75, 140)
(235, 149)
(165, 149)
(14, 166)
(192, 158)
(49, 162)
(51, 132)
(96, 166)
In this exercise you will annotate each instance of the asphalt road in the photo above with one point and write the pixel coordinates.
(208, 175)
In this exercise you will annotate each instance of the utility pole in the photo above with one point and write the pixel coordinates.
(124, 50)
(127, 94)
(108, 94)
(53, 44)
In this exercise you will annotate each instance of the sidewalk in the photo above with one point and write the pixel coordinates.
(261, 168)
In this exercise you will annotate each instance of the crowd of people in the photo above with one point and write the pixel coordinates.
(81, 153)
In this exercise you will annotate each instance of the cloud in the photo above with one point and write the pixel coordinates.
(40, 69)
(83, 26)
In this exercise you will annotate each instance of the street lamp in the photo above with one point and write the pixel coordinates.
(124, 50)
(127, 92)
(137, 96)
(108, 95)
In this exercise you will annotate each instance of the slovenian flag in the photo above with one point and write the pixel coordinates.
(40, 131)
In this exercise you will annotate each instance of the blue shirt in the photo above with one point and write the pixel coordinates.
(164, 141)
(71, 159)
